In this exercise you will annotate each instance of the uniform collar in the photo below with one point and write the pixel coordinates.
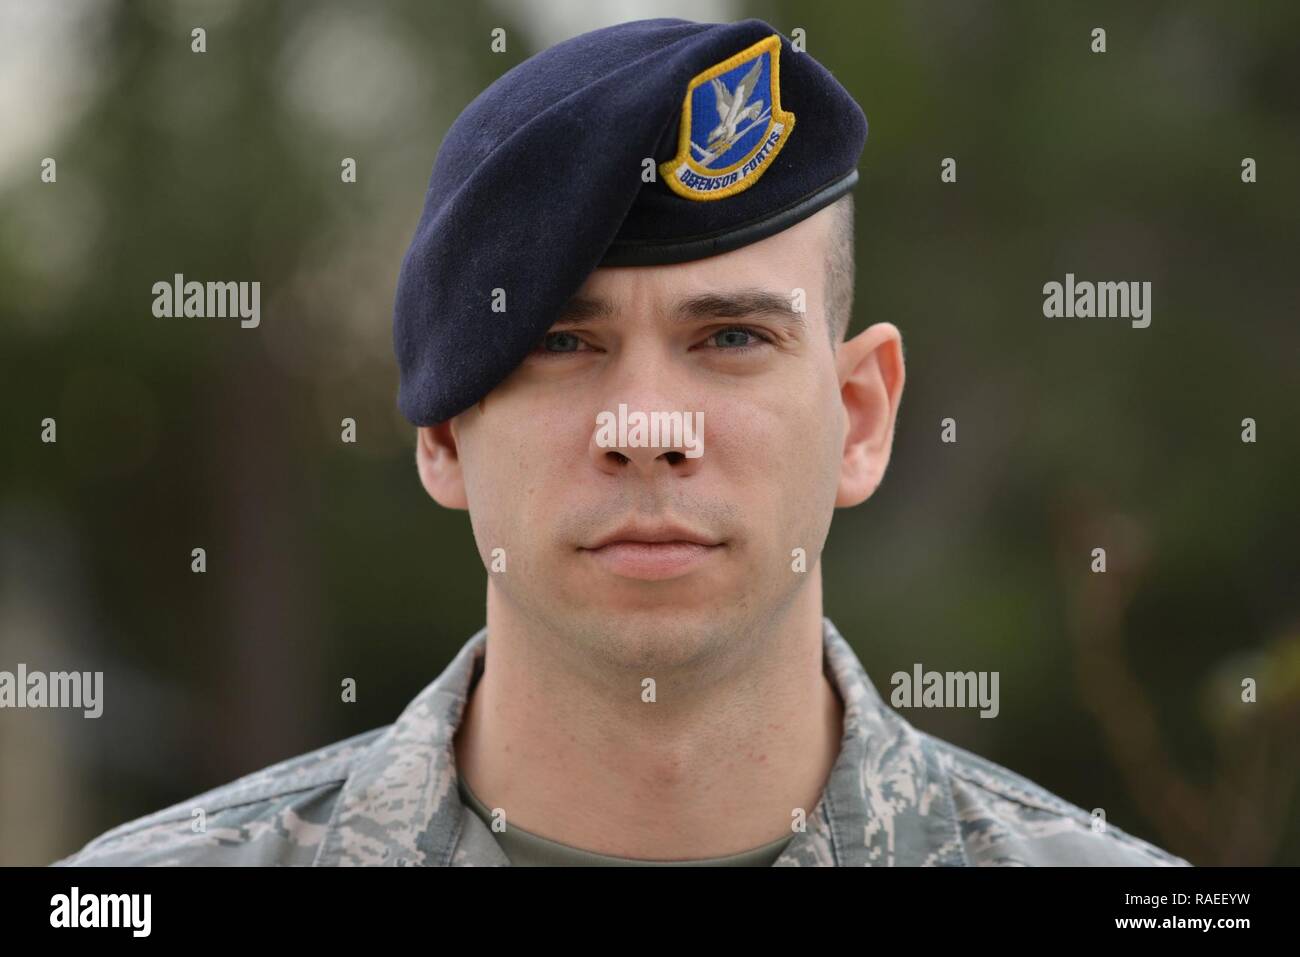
(886, 800)
(400, 806)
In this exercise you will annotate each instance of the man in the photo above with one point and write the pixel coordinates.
(620, 328)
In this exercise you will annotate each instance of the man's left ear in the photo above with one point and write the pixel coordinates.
(437, 459)
(870, 370)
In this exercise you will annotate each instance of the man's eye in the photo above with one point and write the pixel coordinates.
(560, 342)
(737, 338)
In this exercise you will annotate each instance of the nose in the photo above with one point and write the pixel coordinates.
(645, 423)
(649, 438)
(648, 441)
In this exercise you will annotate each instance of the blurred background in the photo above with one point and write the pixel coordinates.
(327, 560)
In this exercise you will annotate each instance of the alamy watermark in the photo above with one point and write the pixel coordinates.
(1100, 300)
(656, 430)
(212, 300)
(946, 689)
(75, 909)
(56, 689)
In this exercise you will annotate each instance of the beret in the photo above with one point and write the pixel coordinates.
(645, 143)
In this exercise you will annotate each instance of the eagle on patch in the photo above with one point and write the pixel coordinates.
(732, 109)
(728, 139)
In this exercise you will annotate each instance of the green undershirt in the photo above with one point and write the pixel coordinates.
(525, 849)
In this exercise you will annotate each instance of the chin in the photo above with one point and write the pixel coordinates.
(651, 643)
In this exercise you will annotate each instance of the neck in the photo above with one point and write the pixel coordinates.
(716, 770)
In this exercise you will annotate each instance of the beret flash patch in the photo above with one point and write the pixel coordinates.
(732, 125)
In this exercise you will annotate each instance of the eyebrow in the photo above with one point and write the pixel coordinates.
(732, 304)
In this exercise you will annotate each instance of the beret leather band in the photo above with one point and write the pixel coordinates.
(649, 253)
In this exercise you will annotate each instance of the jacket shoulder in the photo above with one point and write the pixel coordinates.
(1007, 820)
(277, 815)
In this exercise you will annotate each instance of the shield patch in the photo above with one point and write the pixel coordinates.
(732, 125)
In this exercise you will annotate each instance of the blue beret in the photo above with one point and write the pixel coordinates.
(651, 142)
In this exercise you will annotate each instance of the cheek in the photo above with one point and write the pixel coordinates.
(491, 460)
(782, 431)
(772, 455)
(517, 460)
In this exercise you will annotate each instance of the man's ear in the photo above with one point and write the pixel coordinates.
(870, 370)
(438, 460)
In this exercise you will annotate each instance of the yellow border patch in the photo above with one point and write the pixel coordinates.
(780, 124)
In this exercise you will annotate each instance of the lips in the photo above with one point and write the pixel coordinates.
(652, 552)
(653, 535)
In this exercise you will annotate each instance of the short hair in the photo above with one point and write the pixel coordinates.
(839, 269)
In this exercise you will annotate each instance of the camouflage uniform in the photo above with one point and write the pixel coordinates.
(895, 796)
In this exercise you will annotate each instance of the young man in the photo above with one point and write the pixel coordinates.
(620, 328)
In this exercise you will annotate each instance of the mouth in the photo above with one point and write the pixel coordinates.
(652, 553)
